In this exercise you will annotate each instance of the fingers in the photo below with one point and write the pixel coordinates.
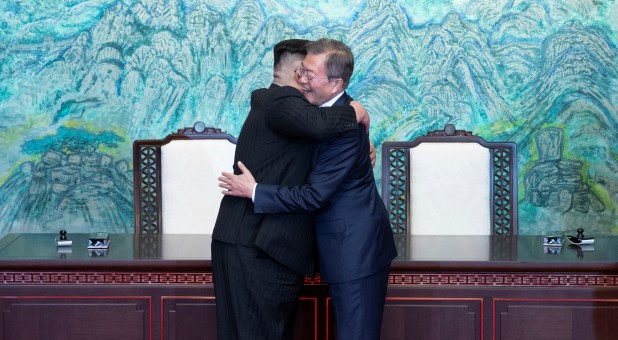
(242, 167)
(225, 179)
(225, 182)
(230, 190)
(226, 187)
(366, 121)
(362, 116)
(234, 185)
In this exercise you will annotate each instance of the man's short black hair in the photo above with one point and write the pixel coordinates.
(290, 46)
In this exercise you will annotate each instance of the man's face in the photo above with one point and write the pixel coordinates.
(318, 88)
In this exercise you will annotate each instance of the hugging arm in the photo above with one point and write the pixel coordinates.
(290, 115)
(333, 164)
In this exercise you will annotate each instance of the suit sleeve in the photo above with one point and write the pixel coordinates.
(334, 162)
(291, 116)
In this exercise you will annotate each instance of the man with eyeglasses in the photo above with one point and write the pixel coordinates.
(353, 233)
(260, 261)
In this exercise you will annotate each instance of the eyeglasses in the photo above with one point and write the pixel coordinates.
(302, 72)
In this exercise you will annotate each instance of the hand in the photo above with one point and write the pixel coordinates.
(237, 185)
(372, 154)
(362, 116)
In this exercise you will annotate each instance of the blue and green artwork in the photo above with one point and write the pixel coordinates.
(80, 80)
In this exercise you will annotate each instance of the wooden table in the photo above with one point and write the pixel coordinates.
(440, 287)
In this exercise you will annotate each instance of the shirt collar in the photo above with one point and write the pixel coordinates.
(333, 100)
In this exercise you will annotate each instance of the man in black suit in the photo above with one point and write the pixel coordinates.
(354, 237)
(260, 261)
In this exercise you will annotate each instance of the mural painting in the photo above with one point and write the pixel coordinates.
(81, 79)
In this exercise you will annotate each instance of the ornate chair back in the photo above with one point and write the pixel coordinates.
(450, 183)
(175, 180)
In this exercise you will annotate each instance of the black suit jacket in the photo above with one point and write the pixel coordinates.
(354, 236)
(275, 142)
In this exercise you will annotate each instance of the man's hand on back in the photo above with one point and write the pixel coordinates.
(238, 185)
(372, 154)
(362, 116)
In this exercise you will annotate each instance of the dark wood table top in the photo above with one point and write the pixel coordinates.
(418, 253)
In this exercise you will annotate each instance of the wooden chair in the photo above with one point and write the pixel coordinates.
(450, 182)
(175, 180)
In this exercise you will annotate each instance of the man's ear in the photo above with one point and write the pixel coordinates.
(338, 86)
